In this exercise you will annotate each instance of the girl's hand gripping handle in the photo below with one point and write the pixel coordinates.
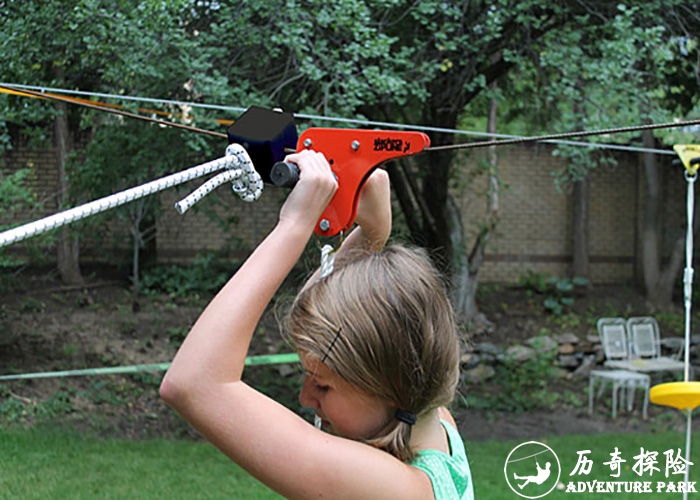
(313, 192)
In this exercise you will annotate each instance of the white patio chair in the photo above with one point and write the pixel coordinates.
(644, 337)
(623, 377)
(613, 336)
(624, 381)
(645, 347)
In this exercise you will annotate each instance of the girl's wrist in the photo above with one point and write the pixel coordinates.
(359, 238)
(296, 229)
(376, 236)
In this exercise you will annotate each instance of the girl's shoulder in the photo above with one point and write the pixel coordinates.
(449, 473)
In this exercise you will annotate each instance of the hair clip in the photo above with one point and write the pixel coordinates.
(330, 347)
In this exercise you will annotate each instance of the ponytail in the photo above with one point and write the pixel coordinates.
(395, 441)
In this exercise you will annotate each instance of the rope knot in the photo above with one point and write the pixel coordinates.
(239, 169)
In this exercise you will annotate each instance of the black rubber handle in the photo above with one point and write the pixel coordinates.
(284, 174)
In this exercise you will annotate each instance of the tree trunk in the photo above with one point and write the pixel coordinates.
(68, 250)
(580, 236)
(462, 286)
(406, 191)
(137, 244)
(436, 228)
(466, 267)
(651, 259)
(658, 281)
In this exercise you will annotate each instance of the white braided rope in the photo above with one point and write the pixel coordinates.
(228, 162)
(327, 261)
(247, 183)
(186, 203)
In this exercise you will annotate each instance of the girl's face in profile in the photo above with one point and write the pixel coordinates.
(344, 410)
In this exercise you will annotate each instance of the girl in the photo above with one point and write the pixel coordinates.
(378, 344)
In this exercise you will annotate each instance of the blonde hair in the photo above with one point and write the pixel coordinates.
(383, 323)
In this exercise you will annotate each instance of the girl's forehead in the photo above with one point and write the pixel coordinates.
(314, 366)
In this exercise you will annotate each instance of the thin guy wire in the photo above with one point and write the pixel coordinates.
(39, 88)
(581, 133)
(116, 112)
(425, 128)
(510, 139)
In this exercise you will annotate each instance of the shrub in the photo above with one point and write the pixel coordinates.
(203, 276)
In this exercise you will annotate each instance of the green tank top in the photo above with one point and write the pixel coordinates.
(449, 474)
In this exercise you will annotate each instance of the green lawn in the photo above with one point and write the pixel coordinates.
(44, 464)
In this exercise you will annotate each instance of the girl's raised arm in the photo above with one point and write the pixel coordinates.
(216, 347)
(272, 443)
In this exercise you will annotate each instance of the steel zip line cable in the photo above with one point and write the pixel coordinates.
(467, 145)
(565, 135)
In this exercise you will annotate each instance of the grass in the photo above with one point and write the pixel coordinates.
(44, 463)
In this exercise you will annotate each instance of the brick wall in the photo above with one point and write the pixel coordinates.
(182, 236)
(535, 229)
(534, 232)
(42, 180)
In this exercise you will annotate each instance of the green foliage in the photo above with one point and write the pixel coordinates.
(202, 277)
(30, 305)
(111, 391)
(568, 321)
(557, 291)
(89, 43)
(573, 65)
(604, 75)
(525, 385)
(671, 323)
(131, 46)
(573, 399)
(333, 57)
(533, 282)
(177, 334)
(15, 196)
(15, 411)
(121, 156)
